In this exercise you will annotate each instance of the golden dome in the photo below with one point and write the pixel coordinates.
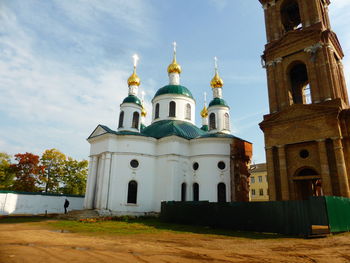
(174, 67)
(143, 111)
(134, 80)
(216, 82)
(204, 112)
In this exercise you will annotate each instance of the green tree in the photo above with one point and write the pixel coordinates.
(75, 174)
(6, 173)
(28, 172)
(53, 161)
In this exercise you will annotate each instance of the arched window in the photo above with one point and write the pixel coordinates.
(135, 120)
(132, 192)
(226, 121)
(156, 114)
(195, 192)
(183, 192)
(172, 109)
(188, 111)
(221, 193)
(212, 122)
(290, 15)
(300, 89)
(121, 119)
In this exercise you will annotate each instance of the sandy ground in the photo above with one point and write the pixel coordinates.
(34, 242)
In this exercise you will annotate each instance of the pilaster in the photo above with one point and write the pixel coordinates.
(105, 181)
(341, 168)
(325, 174)
(283, 172)
(270, 173)
(91, 184)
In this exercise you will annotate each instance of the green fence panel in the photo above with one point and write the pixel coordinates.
(317, 211)
(338, 209)
(285, 217)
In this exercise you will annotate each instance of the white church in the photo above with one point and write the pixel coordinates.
(136, 167)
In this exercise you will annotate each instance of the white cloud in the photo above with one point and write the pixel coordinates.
(44, 102)
(126, 12)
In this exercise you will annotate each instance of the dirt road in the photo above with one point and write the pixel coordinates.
(35, 242)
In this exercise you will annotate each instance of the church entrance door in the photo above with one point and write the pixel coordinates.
(307, 183)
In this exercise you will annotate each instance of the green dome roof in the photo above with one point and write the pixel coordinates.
(174, 89)
(132, 99)
(166, 128)
(219, 102)
(205, 128)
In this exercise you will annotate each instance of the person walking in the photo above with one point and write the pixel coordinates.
(66, 204)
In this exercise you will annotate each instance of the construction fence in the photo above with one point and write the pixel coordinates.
(284, 217)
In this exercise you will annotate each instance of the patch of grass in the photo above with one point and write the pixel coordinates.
(149, 226)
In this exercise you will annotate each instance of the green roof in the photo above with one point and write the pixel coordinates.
(132, 99)
(218, 135)
(218, 101)
(174, 89)
(205, 128)
(108, 130)
(166, 128)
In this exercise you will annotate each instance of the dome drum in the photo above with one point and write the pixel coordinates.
(219, 119)
(182, 108)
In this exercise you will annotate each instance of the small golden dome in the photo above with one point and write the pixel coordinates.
(134, 80)
(174, 67)
(204, 112)
(143, 111)
(216, 82)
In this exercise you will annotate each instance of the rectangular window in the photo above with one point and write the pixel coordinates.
(260, 179)
(261, 192)
(252, 179)
(253, 192)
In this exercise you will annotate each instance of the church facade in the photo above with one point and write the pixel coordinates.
(136, 167)
(307, 130)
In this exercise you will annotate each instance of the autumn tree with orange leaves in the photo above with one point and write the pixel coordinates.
(53, 172)
(28, 172)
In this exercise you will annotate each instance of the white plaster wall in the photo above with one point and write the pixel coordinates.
(208, 176)
(122, 173)
(164, 165)
(12, 204)
(129, 109)
(122, 143)
(181, 102)
(208, 152)
(210, 146)
(173, 145)
(219, 115)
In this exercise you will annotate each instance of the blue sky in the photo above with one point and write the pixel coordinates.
(64, 63)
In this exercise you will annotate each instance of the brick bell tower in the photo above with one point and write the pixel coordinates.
(307, 130)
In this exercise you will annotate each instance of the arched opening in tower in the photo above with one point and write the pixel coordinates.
(300, 87)
(290, 15)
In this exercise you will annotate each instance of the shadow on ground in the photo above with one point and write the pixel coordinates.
(149, 223)
(24, 219)
(158, 224)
